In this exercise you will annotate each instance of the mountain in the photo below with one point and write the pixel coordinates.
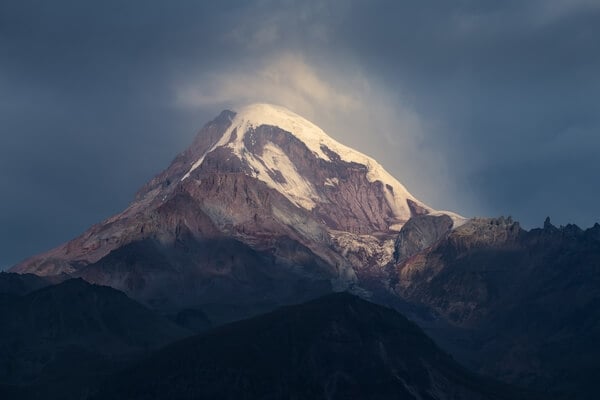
(262, 209)
(336, 347)
(528, 302)
(11, 283)
(55, 340)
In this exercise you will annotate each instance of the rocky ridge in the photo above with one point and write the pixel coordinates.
(525, 303)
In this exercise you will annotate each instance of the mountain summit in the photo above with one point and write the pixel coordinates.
(346, 189)
(263, 208)
(285, 159)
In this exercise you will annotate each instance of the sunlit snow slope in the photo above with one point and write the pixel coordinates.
(274, 160)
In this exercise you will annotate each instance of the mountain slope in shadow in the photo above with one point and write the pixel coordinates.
(336, 347)
(55, 340)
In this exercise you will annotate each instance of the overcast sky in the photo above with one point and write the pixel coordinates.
(482, 107)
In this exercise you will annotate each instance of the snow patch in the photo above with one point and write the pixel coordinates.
(361, 250)
(194, 166)
(331, 182)
(298, 190)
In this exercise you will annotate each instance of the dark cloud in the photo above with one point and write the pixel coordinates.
(503, 99)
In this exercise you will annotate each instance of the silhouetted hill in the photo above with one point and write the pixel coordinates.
(54, 340)
(336, 347)
(12, 283)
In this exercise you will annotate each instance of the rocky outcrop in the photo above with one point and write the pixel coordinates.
(419, 233)
(449, 276)
(485, 233)
(204, 140)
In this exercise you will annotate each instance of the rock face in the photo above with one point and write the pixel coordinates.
(335, 347)
(419, 233)
(263, 208)
(449, 277)
(524, 297)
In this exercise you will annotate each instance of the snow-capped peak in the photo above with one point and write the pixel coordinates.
(298, 190)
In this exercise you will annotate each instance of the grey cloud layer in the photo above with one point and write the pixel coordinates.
(499, 102)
